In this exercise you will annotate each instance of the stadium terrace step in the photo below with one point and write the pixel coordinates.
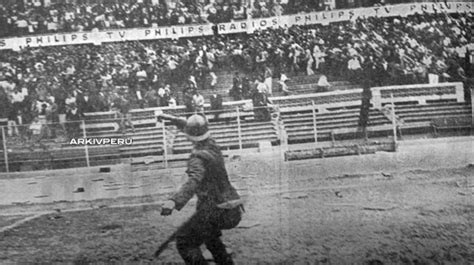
(225, 132)
(429, 112)
(431, 118)
(326, 122)
(153, 161)
(309, 126)
(62, 158)
(432, 113)
(243, 126)
(303, 79)
(307, 109)
(338, 133)
(141, 150)
(308, 114)
(141, 138)
(313, 88)
(129, 133)
(332, 126)
(452, 124)
(229, 136)
(135, 137)
(230, 143)
(431, 105)
(433, 110)
(143, 142)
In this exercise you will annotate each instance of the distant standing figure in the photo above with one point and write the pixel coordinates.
(323, 84)
(216, 105)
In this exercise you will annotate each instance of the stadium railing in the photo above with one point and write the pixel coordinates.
(327, 116)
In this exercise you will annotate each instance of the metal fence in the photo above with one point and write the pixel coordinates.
(41, 145)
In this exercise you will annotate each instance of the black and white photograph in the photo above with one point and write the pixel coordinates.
(237, 132)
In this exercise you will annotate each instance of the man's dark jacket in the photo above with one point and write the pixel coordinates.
(208, 179)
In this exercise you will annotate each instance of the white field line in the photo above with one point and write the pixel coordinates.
(22, 221)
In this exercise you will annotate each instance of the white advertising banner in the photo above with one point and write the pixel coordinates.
(249, 26)
(97, 38)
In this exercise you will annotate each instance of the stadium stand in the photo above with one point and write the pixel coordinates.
(35, 17)
(124, 79)
(337, 115)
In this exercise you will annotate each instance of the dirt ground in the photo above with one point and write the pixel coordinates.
(293, 216)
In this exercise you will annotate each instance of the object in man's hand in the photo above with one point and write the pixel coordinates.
(167, 208)
(177, 121)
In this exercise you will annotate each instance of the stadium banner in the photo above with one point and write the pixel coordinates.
(326, 17)
(99, 37)
(249, 26)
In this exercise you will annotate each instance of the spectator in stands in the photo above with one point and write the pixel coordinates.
(36, 132)
(5, 106)
(123, 106)
(261, 86)
(277, 9)
(284, 86)
(354, 68)
(43, 114)
(73, 121)
(236, 91)
(260, 104)
(323, 84)
(172, 102)
(12, 122)
(151, 98)
(163, 96)
(198, 102)
(188, 94)
(309, 62)
(216, 105)
(18, 97)
(268, 74)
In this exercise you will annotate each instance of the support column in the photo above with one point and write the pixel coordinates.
(394, 122)
(86, 149)
(5, 150)
(315, 129)
(165, 144)
(472, 110)
(239, 129)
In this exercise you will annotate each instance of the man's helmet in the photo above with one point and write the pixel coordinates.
(197, 128)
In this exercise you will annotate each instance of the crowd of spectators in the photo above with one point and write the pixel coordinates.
(24, 18)
(35, 18)
(118, 76)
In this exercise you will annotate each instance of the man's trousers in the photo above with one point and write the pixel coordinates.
(205, 228)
